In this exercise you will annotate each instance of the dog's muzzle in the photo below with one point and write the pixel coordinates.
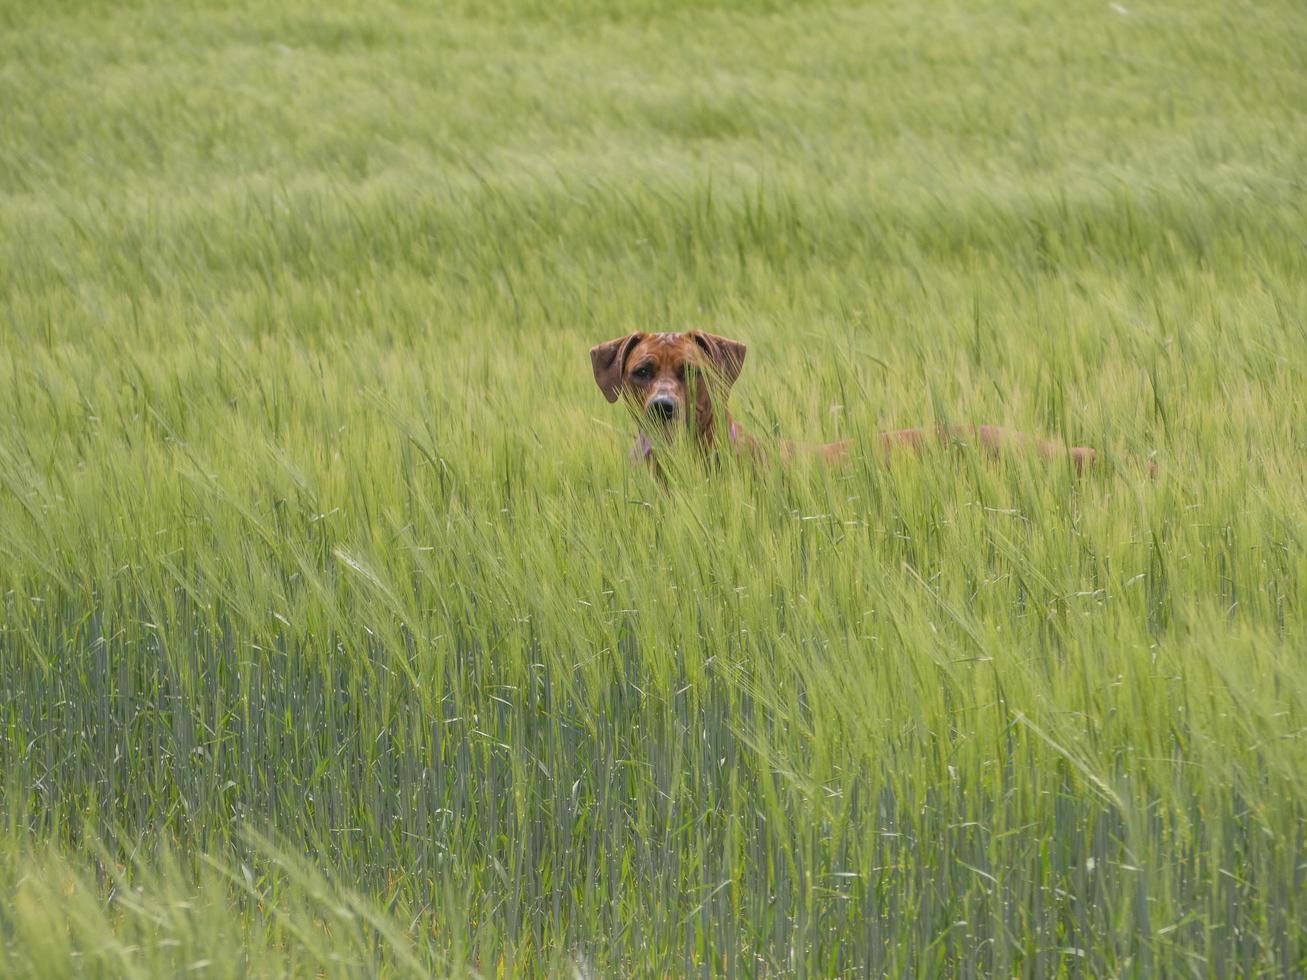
(662, 407)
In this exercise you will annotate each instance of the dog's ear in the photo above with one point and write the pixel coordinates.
(609, 361)
(726, 355)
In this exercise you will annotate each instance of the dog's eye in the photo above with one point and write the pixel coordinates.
(642, 372)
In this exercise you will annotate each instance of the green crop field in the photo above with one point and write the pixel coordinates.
(339, 639)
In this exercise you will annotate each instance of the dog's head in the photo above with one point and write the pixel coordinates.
(674, 381)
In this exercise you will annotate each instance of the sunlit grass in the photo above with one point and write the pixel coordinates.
(337, 637)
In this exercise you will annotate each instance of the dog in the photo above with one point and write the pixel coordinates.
(679, 382)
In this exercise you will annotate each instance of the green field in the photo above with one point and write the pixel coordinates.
(338, 638)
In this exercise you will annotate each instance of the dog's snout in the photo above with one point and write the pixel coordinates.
(662, 407)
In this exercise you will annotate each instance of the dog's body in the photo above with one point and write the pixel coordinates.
(679, 381)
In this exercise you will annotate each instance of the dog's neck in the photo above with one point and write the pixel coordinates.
(705, 436)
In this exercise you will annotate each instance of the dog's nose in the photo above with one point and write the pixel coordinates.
(662, 407)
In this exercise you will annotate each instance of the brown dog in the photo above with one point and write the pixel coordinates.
(671, 380)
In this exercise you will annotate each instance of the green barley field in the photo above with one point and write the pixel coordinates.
(339, 639)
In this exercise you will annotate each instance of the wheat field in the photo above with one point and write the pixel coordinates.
(339, 639)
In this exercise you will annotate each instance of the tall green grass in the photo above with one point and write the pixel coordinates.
(337, 637)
